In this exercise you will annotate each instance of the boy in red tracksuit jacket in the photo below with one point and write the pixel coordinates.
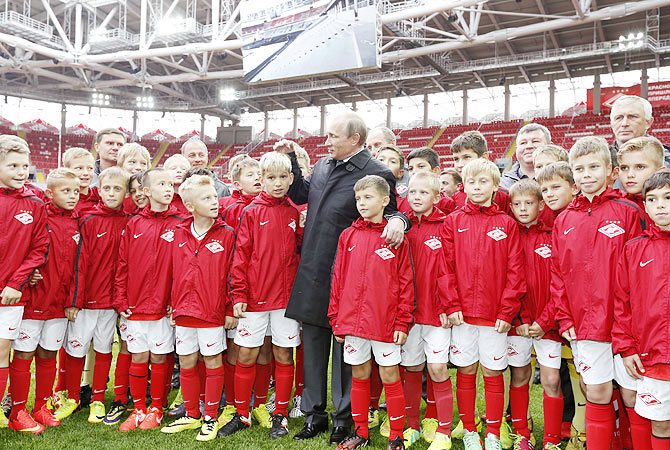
(201, 304)
(24, 245)
(558, 188)
(89, 306)
(425, 159)
(136, 200)
(43, 326)
(264, 267)
(536, 309)
(587, 240)
(371, 305)
(642, 316)
(430, 337)
(142, 296)
(485, 265)
(81, 161)
(224, 202)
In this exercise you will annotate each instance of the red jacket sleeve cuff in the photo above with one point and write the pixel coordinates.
(564, 326)
(454, 308)
(628, 352)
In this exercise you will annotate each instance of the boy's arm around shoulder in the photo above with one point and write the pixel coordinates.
(515, 281)
(37, 253)
(406, 301)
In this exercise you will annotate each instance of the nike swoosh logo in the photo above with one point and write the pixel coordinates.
(212, 403)
(351, 248)
(436, 352)
(385, 355)
(292, 337)
(397, 418)
(137, 235)
(444, 424)
(460, 230)
(263, 223)
(159, 344)
(209, 345)
(182, 244)
(102, 234)
(645, 263)
(568, 230)
(58, 341)
(554, 356)
(498, 358)
(12, 329)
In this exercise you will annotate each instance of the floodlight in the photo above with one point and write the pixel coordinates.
(227, 95)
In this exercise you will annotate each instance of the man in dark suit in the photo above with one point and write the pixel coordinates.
(331, 208)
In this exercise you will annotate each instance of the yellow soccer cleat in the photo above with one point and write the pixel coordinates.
(97, 412)
(385, 427)
(227, 414)
(441, 442)
(67, 408)
(182, 424)
(209, 429)
(428, 429)
(262, 416)
(410, 436)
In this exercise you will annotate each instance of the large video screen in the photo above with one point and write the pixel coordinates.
(298, 38)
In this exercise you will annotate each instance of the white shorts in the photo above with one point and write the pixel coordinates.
(593, 360)
(208, 341)
(155, 336)
(48, 334)
(472, 343)
(621, 376)
(359, 350)
(96, 324)
(519, 351)
(653, 399)
(10, 322)
(426, 343)
(251, 330)
(230, 334)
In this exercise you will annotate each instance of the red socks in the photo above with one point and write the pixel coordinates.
(395, 406)
(299, 370)
(100, 373)
(4, 375)
(244, 383)
(262, 383)
(168, 378)
(138, 384)
(360, 401)
(60, 383)
(518, 400)
(444, 402)
(599, 425)
(190, 390)
(73, 368)
(640, 430)
(466, 393)
(283, 386)
(494, 395)
(213, 389)
(121, 377)
(412, 393)
(375, 385)
(19, 384)
(431, 411)
(202, 373)
(660, 443)
(158, 386)
(230, 382)
(45, 373)
(553, 418)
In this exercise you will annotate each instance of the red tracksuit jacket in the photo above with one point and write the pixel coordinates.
(431, 280)
(267, 252)
(233, 211)
(49, 296)
(143, 273)
(87, 202)
(178, 203)
(484, 263)
(588, 238)
(97, 258)
(372, 292)
(201, 273)
(24, 241)
(501, 199)
(639, 202)
(225, 202)
(642, 302)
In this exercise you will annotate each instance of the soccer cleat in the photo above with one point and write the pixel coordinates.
(577, 440)
(565, 430)
(153, 419)
(209, 429)
(85, 395)
(472, 441)
(45, 417)
(270, 404)
(56, 400)
(296, 411)
(178, 401)
(396, 444)
(373, 417)
(492, 442)
(66, 409)
(522, 442)
(6, 404)
(385, 427)
(115, 412)
(97, 412)
(227, 414)
(531, 424)
(279, 426)
(506, 434)
(3, 419)
(353, 441)
(262, 416)
(25, 423)
(550, 446)
(428, 429)
(134, 420)
(182, 424)
(410, 436)
(235, 424)
(459, 431)
(441, 442)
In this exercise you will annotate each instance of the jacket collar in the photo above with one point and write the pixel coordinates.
(359, 160)
(218, 223)
(538, 227)
(581, 202)
(147, 212)
(435, 216)
(54, 210)
(362, 224)
(19, 193)
(266, 199)
(654, 232)
(102, 210)
(471, 208)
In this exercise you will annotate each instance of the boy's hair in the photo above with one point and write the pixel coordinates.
(10, 143)
(275, 162)
(426, 153)
(73, 153)
(525, 186)
(234, 160)
(197, 171)
(373, 181)
(395, 149)
(432, 179)
(556, 151)
(237, 169)
(657, 181)
(641, 143)
(114, 172)
(191, 184)
(589, 145)
(135, 177)
(176, 158)
(301, 153)
(146, 176)
(58, 176)
(99, 135)
(454, 175)
(470, 139)
(559, 169)
(480, 165)
(133, 149)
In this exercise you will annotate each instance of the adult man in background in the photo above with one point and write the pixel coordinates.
(529, 138)
(107, 143)
(379, 137)
(195, 151)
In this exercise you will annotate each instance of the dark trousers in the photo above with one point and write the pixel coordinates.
(316, 346)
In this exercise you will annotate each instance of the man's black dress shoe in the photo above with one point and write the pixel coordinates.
(339, 434)
(309, 431)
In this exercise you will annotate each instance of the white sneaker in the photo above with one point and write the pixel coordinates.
(492, 442)
(472, 441)
(296, 411)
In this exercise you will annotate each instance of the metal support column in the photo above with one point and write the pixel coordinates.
(294, 134)
(465, 106)
(644, 83)
(552, 98)
(596, 94)
(425, 110)
(507, 103)
(266, 126)
(388, 112)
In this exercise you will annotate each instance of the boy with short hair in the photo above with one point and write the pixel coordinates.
(588, 238)
(224, 202)
(485, 288)
(142, 293)
(82, 163)
(246, 176)
(558, 188)
(393, 158)
(303, 160)
(133, 158)
(177, 165)
(371, 306)
(548, 154)
(25, 245)
(201, 304)
(450, 182)
(639, 159)
(641, 317)
(425, 159)
(136, 200)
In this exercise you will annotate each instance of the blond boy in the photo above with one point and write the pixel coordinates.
(82, 163)
(133, 158)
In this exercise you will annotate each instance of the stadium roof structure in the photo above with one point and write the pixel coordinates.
(178, 55)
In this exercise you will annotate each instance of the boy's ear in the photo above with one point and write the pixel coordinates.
(49, 193)
(290, 177)
(236, 185)
(147, 191)
(386, 201)
(436, 170)
(541, 205)
(189, 207)
(575, 190)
